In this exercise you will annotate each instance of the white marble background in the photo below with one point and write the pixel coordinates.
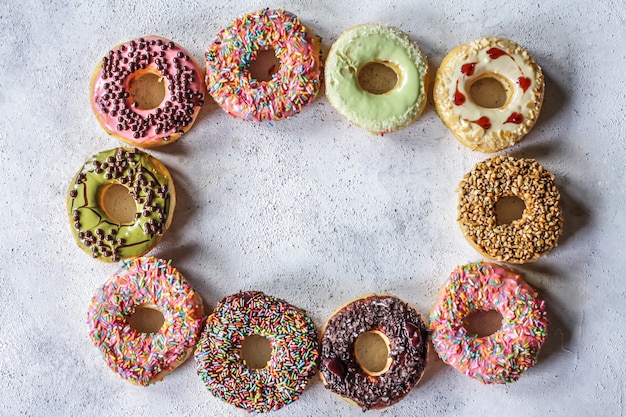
(311, 209)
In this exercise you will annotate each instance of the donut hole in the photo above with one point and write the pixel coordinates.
(146, 319)
(371, 350)
(256, 351)
(483, 323)
(118, 204)
(264, 65)
(147, 89)
(508, 209)
(377, 77)
(490, 91)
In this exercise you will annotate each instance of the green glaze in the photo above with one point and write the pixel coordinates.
(149, 184)
(378, 113)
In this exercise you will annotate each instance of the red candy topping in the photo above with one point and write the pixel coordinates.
(335, 366)
(468, 69)
(516, 118)
(495, 53)
(483, 122)
(414, 333)
(459, 98)
(524, 82)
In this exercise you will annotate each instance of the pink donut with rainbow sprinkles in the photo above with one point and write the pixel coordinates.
(138, 356)
(504, 355)
(294, 85)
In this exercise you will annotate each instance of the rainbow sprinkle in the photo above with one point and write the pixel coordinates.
(293, 86)
(139, 357)
(293, 340)
(505, 355)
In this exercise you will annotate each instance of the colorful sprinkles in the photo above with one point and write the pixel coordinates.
(505, 355)
(294, 85)
(139, 357)
(293, 339)
(149, 184)
(144, 358)
(120, 115)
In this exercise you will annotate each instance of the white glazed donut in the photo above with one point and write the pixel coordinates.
(481, 128)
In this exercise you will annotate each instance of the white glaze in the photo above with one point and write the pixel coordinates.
(489, 129)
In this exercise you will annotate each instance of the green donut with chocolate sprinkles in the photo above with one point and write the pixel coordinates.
(343, 367)
(150, 185)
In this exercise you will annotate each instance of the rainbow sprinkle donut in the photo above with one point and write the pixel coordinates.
(294, 352)
(504, 355)
(143, 358)
(293, 86)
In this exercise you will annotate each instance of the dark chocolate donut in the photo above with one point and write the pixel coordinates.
(406, 336)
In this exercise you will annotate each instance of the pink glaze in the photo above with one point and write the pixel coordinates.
(293, 86)
(504, 355)
(184, 91)
(139, 357)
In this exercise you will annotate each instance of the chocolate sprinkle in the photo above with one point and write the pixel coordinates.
(115, 101)
(407, 335)
(122, 166)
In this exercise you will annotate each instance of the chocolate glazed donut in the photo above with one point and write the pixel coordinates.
(405, 335)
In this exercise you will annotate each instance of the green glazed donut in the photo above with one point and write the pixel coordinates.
(151, 187)
(375, 43)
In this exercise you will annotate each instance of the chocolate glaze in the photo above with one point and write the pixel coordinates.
(407, 335)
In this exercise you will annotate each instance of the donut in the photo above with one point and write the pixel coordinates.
(294, 352)
(522, 240)
(342, 368)
(294, 85)
(360, 47)
(127, 86)
(139, 357)
(483, 128)
(152, 189)
(504, 355)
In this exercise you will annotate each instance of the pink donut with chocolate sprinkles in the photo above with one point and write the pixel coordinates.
(147, 92)
(145, 283)
(294, 85)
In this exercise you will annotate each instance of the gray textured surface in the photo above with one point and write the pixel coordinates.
(311, 209)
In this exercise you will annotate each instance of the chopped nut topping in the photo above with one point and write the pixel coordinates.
(524, 239)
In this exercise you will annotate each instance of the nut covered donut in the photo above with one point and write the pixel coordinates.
(151, 187)
(524, 239)
(355, 50)
(139, 357)
(481, 128)
(294, 351)
(294, 85)
(127, 108)
(347, 374)
(504, 355)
